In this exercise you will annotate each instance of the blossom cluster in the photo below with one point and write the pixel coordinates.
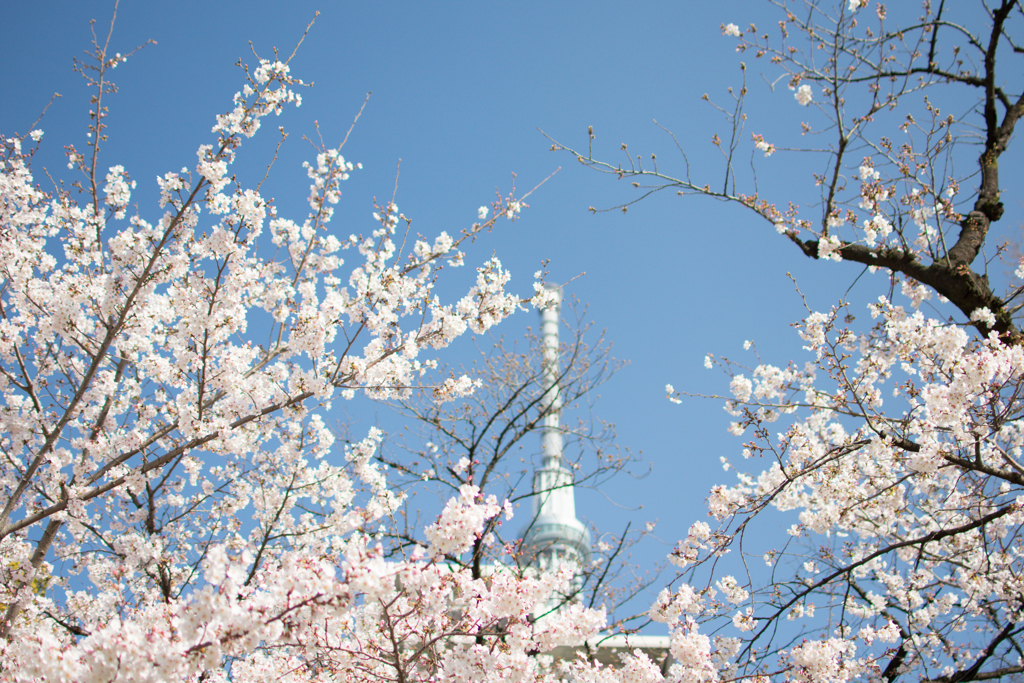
(175, 504)
(869, 485)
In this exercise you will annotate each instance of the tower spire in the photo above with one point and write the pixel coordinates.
(555, 537)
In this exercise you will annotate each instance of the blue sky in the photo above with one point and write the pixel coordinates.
(459, 92)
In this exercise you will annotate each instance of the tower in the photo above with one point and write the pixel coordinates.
(555, 536)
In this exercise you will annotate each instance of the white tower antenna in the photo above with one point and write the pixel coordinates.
(555, 537)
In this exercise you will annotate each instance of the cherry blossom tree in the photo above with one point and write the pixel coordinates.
(894, 449)
(175, 506)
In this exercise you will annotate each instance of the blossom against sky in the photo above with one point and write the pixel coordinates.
(459, 94)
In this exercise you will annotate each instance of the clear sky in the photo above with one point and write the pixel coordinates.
(459, 92)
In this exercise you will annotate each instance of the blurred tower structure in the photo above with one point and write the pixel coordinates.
(555, 537)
